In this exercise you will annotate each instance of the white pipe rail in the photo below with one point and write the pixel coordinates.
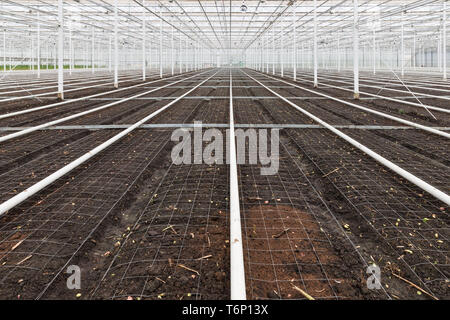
(77, 82)
(80, 114)
(387, 116)
(237, 277)
(27, 193)
(414, 104)
(405, 174)
(16, 113)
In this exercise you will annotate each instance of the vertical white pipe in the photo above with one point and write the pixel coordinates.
(414, 51)
(180, 53)
(143, 42)
(339, 52)
(38, 47)
(402, 51)
(160, 43)
(295, 42)
(282, 51)
(92, 51)
(70, 48)
(273, 49)
(444, 40)
(355, 50)
(4, 50)
(60, 50)
(316, 83)
(116, 47)
(374, 52)
(172, 52)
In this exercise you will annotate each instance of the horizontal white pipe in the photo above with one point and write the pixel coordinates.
(80, 114)
(57, 104)
(24, 195)
(32, 96)
(237, 274)
(424, 106)
(415, 104)
(405, 174)
(384, 115)
(70, 82)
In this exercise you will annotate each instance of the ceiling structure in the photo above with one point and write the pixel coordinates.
(221, 24)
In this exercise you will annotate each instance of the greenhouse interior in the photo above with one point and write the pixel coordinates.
(224, 150)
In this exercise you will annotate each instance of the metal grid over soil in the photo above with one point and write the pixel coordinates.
(144, 228)
(411, 225)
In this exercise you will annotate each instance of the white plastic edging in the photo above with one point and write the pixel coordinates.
(24, 195)
(405, 174)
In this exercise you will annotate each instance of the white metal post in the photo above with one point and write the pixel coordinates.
(92, 51)
(143, 42)
(60, 50)
(444, 40)
(273, 49)
(70, 48)
(402, 51)
(160, 43)
(172, 51)
(116, 47)
(282, 51)
(38, 47)
(4, 50)
(295, 42)
(315, 45)
(414, 51)
(339, 52)
(374, 52)
(355, 50)
(180, 53)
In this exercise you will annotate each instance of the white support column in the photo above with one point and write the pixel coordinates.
(316, 83)
(273, 49)
(355, 50)
(186, 61)
(374, 52)
(60, 50)
(4, 50)
(414, 51)
(116, 47)
(143, 42)
(92, 51)
(110, 54)
(160, 43)
(38, 47)
(71, 64)
(402, 51)
(180, 53)
(172, 52)
(282, 51)
(444, 40)
(339, 52)
(267, 52)
(294, 15)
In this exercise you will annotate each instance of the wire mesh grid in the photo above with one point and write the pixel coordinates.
(289, 232)
(178, 246)
(44, 233)
(41, 236)
(435, 173)
(389, 205)
(413, 224)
